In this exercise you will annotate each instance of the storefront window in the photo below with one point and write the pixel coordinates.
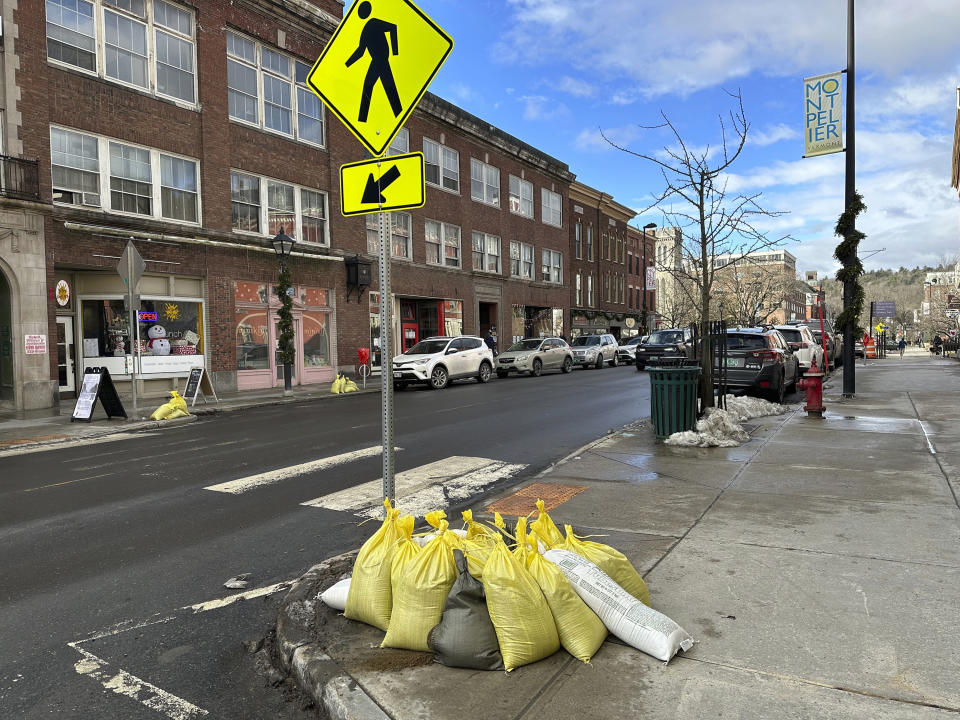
(316, 339)
(170, 327)
(452, 317)
(105, 329)
(252, 337)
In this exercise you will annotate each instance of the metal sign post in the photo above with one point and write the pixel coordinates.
(131, 267)
(386, 357)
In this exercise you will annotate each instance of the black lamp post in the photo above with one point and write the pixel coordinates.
(648, 226)
(283, 245)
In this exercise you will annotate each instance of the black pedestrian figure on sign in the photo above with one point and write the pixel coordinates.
(373, 40)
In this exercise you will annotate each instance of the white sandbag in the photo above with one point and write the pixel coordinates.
(422, 540)
(335, 596)
(626, 617)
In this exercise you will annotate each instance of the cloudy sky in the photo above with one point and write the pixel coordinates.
(556, 72)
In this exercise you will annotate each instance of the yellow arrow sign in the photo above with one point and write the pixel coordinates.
(881, 327)
(390, 183)
(377, 66)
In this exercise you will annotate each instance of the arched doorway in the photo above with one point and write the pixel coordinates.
(6, 343)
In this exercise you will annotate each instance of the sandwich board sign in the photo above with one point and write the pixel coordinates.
(97, 385)
(391, 183)
(377, 66)
(198, 383)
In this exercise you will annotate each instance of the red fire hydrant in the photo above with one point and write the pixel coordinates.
(812, 384)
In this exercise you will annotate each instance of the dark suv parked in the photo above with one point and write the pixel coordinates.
(760, 362)
(668, 345)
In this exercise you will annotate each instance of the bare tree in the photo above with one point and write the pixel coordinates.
(713, 220)
(744, 289)
(676, 305)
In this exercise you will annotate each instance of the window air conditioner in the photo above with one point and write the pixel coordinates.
(92, 199)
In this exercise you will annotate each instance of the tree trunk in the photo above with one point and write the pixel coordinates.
(706, 355)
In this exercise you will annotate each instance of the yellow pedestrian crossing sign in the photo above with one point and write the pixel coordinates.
(389, 183)
(377, 66)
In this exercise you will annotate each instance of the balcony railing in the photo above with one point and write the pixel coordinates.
(19, 178)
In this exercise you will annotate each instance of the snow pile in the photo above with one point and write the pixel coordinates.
(721, 428)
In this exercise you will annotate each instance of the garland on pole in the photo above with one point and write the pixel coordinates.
(285, 352)
(847, 229)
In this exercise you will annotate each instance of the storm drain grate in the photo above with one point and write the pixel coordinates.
(524, 501)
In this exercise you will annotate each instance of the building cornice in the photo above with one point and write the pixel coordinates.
(436, 108)
(600, 200)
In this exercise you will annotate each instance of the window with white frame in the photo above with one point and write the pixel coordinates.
(590, 242)
(578, 239)
(484, 183)
(441, 165)
(486, 252)
(400, 143)
(148, 44)
(521, 260)
(264, 205)
(140, 180)
(552, 270)
(443, 243)
(590, 290)
(521, 196)
(286, 105)
(579, 289)
(550, 203)
(400, 238)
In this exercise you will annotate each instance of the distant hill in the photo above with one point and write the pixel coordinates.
(903, 286)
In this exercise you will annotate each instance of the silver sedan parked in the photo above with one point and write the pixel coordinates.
(534, 355)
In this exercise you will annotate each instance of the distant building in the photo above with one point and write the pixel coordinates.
(789, 300)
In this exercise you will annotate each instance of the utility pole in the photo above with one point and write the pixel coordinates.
(849, 377)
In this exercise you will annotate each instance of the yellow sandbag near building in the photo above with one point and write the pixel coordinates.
(175, 407)
(525, 627)
(478, 543)
(404, 550)
(370, 597)
(421, 592)
(613, 562)
(581, 631)
(545, 528)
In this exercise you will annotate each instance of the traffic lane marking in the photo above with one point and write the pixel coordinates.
(428, 487)
(123, 683)
(65, 482)
(270, 477)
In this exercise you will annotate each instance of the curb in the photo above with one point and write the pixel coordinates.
(106, 431)
(279, 400)
(317, 673)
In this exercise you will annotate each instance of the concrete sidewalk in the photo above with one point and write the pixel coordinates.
(19, 430)
(818, 566)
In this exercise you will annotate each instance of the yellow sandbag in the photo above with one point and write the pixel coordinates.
(348, 386)
(175, 407)
(581, 631)
(525, 628)
(613, 562)
(337, 386)
(545, 528)
(477, 544)
(404, 550)
(370, 596)
(420, 594)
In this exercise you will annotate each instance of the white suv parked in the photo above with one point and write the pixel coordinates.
(803, 344)
(594, 350)
(438, 360)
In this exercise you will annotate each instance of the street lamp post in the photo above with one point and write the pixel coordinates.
(282, 246)
(646, 227)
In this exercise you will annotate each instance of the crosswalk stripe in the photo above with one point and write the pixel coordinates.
(242, 485)
(433, 486)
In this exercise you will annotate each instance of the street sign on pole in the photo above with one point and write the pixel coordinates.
(131, 267)
(390, 183)
(377, 66)
(884, 308)
(373, 96)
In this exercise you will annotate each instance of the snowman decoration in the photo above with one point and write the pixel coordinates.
(158, 342)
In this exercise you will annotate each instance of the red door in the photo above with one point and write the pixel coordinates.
(408, 331)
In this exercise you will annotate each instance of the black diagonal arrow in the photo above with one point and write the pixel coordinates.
(373, 192)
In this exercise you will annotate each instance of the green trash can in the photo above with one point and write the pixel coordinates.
(673, 399)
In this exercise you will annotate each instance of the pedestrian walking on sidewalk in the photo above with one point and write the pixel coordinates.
(902, 345)
(491, 340)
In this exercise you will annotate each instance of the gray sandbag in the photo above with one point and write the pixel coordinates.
(465, 636)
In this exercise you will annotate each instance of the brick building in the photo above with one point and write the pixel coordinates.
(188, 130)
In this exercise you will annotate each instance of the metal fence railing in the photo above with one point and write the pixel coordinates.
(19, 178)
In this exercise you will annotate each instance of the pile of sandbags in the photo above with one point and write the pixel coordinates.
(481, 598)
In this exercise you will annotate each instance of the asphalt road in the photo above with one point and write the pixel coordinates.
(110, 546)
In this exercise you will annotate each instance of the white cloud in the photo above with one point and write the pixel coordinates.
(591, 139)
(540, 107)
(577, 88)
(773, 134)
